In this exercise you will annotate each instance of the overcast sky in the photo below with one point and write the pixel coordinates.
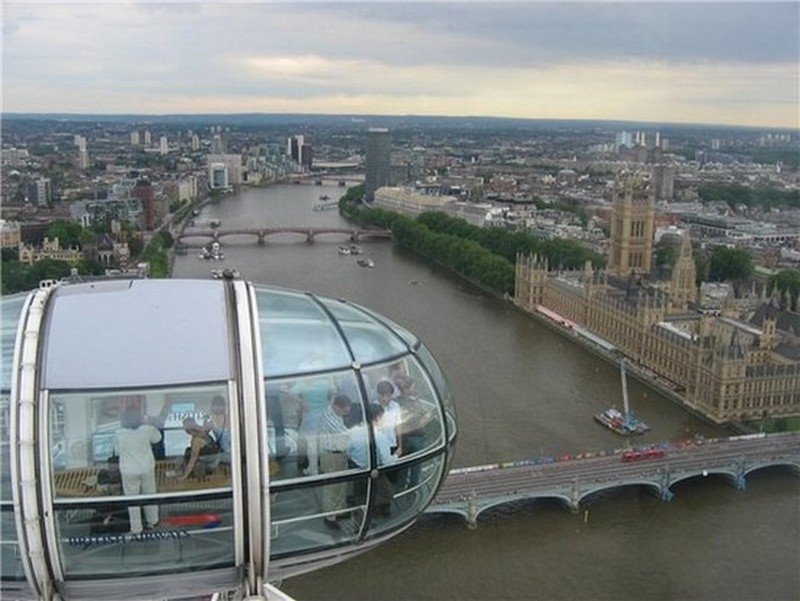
(692, 62)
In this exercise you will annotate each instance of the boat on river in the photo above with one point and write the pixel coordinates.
(366, 262)
(212, 251)
(623, 422)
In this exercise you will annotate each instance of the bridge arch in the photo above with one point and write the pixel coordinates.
(782, 463)
(650, 485)
(727, 474)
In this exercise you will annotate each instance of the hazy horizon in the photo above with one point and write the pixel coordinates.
(683, 63)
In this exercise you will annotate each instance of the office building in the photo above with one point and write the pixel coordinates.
(378, 161)
(300, 150)
(218, 176)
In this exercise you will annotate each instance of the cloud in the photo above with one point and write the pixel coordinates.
(619, 60)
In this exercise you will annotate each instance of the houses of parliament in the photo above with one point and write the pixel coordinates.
(734, 364)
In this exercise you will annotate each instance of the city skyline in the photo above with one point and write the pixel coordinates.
(713, 63)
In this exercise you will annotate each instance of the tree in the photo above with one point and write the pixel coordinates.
(67, 232)
(730, 265)
(666, 255)
(19, 276)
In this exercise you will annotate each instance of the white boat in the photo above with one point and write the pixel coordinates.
(344, 250)
(366, 262)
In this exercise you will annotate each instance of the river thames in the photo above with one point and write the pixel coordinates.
(521, 391)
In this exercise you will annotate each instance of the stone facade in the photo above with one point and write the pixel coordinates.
(723, 367)
(732, 364)
(50, 249)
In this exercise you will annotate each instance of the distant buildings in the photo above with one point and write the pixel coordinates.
(378, 159)
(732, 363)
(218, 176)
(40, 192)
(83, 153)
(50, 249)
(408, 202)
(233, 169)
(300, 151)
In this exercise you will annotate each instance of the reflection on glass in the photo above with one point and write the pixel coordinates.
(129, 432)
(293, 322)
(441, 386)
(405, 501)
(295, 409)
(95, 540)
(11, 568)
(298, 524)
(121, 450)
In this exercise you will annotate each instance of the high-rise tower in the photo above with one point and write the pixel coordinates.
(632, 226)
(378, 161)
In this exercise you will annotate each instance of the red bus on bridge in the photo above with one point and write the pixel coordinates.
(642, 454)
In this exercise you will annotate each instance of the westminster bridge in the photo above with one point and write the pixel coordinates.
(309, 234)
(470, 491)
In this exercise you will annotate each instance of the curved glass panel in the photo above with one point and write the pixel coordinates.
(399, 330)
(11, 570)
(10, 310)
(369, 339)
(298, 525)
(302, 421)
(440, 381)
(119, 460)
(396, 502)
(13, 575)
(297, 335)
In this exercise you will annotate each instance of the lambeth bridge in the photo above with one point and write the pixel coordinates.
(261, 233)
(468, 492)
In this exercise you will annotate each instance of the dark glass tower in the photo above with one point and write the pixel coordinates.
(378, 161)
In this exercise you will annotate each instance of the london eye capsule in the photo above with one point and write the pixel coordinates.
(170, 438)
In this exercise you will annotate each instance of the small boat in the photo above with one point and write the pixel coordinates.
(366, 262)
(624, 422)
(344, 250)
(355, 249)
(216, 251)
(324, 197)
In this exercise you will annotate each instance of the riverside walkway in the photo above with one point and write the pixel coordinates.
(470, 491)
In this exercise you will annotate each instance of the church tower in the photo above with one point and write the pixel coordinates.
(632, 226)
(683, 287)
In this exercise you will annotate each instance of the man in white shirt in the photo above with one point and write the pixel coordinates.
(137, 466)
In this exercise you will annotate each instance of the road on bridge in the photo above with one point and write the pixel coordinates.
(493, 481)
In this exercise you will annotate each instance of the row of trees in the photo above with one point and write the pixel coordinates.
(484, 255)
(488, 255)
